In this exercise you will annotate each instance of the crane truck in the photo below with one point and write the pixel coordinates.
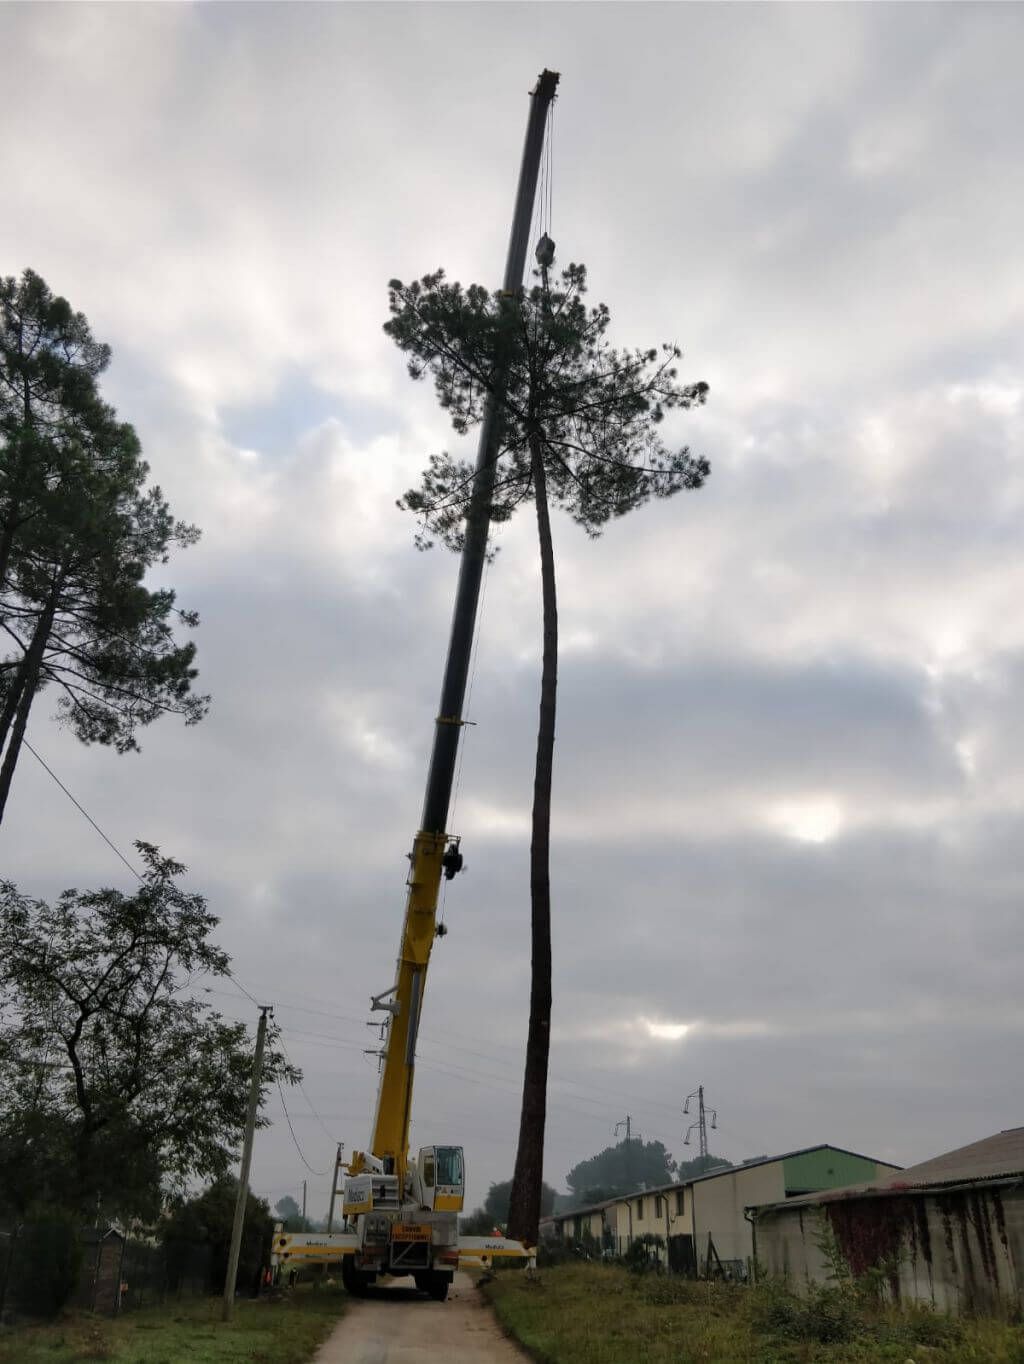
(401, 1211)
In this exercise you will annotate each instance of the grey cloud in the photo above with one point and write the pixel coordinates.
(824, 206)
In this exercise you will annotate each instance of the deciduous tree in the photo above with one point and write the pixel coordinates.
(117, 1083)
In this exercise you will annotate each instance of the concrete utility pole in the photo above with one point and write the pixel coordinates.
(701, 1124)
(334, 1186)
(243, 1173)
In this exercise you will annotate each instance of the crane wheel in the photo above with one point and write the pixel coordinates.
(354, 1282)
(437, 1285)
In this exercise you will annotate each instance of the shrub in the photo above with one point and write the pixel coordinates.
(827, 1314)
(44, 1266)
(642, 1255)
(551, 1252)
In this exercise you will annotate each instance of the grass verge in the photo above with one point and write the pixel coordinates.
(595, 1314)
(282, 1331)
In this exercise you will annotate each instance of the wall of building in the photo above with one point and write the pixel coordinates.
(718, 1208)
(960, 1250)
(827, 1168)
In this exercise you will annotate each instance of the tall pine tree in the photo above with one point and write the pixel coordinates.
(79, 530)
(579, 423)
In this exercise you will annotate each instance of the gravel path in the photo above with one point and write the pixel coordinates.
(400, 1326)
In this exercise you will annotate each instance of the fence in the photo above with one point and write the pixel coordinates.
(100, 1270)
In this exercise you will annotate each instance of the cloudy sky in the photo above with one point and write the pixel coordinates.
(790, 764)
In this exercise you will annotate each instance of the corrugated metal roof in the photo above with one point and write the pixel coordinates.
(1002, 1154)
(997, 1157)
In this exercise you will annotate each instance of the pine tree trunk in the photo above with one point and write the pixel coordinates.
(525, 1201)
(19, 703)
(10, 706)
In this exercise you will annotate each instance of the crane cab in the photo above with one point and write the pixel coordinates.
(441, 1177)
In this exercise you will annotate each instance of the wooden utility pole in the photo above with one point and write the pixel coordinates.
(303, 1202)
(334, 1186)
(243, 1173)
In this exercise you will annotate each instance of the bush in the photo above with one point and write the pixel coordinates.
(551, 1252)
(44, 1266)
(827, 1314)
(642, 1255)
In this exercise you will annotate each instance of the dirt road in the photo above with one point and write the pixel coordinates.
(399, 1326)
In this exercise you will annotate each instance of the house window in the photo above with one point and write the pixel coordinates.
(679, 1203)
(640, 1209)
(658, 1209)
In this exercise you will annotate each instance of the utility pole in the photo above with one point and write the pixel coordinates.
(334, 1186)
(701, 1124)
(627, 1123)
(303, 1200)
(243, 1173)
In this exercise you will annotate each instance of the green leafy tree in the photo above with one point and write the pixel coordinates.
(620, 1169)
(206, 1221)
(287, 1207)
(701, 1165)
(579, 429)
(495, 1210)
(597, 1193)
(79, 531)
(290, 1214)
(116, 1083)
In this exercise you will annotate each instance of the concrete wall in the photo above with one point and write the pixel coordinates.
(960, 1251)
(718, 1208)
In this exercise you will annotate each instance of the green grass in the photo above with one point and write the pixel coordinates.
(595, 1314)
(284, 1331)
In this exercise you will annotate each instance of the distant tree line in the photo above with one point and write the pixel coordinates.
(617, 1170)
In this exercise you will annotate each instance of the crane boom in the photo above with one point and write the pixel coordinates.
(401, 1215)
(390, 1137)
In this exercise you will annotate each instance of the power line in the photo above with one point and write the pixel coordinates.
(230, 974)
(595, 1089)
(118, 853)
(320, 1174)
(302, 1089)
(78, 806)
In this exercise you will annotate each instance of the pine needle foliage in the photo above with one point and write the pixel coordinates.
(596, 409)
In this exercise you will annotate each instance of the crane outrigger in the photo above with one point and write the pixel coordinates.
(401, 1212)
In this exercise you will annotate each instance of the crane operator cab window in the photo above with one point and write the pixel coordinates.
(442, 1177)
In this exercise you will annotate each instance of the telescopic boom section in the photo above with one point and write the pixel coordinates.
(394, 1100)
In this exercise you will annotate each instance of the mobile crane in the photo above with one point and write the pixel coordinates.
(401, 1212)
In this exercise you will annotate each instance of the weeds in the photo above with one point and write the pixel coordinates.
(602, 1314)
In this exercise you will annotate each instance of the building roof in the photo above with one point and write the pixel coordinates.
(718, 1173)
(997, 1157)
(89, 1236)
